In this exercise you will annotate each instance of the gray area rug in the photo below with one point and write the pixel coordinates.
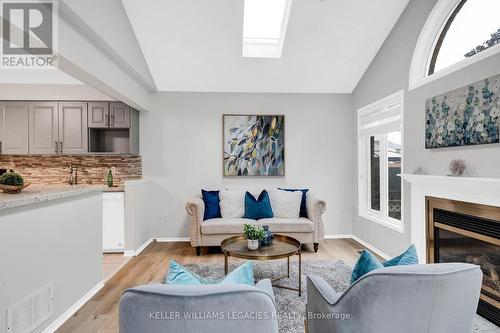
(290, 307)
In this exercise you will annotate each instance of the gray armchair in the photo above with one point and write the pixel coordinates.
(434, 298)
(201, 308)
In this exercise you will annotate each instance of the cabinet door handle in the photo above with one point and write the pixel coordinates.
(112, 120)
(57, 146)
(60, 147)
(1, 147)
(106, 117)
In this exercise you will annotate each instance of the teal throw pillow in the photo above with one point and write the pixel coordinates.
(180, 275)
(366, 263)
(409, 257)
(257, 209)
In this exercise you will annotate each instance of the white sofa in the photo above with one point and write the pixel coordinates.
(212, 232)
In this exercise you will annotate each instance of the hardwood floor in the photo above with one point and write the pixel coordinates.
(100, 313)
(112, 263)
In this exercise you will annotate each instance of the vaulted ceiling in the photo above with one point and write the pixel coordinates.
(196, 45)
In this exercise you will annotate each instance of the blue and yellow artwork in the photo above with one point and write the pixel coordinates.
(254, 145)
(466, 116)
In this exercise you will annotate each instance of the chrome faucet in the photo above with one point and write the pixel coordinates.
(72, 175)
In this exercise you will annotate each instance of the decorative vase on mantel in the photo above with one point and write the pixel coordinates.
(268, 236)
(253, 244)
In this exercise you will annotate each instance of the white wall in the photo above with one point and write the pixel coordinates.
(137, 213)
(388, 73)
(181, 146)
(58, 242)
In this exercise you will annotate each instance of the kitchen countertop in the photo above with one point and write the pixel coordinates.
(43, 193)
(118, 188)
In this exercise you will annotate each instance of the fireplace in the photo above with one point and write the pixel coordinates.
(465, 232)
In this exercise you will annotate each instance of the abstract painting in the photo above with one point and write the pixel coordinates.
(254, 145)
(466, 116)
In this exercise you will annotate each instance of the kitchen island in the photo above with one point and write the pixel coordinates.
(51, 245)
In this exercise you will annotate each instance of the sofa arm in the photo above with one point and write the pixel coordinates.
(196, 209)
(315, 209)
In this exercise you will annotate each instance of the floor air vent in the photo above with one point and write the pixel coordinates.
(26, 315)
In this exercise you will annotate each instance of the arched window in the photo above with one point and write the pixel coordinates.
(473, 27)
(456, 34)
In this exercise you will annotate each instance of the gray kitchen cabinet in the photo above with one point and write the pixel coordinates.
(73, 131)
(43, 128)
(134, 132)
(98, 114)
(119, 115)
(14, 128)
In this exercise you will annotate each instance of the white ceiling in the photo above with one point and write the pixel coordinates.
(196, 45)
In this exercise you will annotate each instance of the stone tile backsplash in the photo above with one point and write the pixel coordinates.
(91, 169)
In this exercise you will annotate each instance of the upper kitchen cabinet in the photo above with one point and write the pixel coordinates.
(119, 115)
(43, 128)
(57, 128)
(13, 128)
(109, 115)
(98, 115)
(73, 128)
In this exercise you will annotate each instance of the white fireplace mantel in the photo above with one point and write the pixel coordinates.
(478, 190)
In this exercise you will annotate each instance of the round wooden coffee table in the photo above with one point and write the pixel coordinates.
(282, 247)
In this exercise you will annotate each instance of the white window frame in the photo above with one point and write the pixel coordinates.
(364, 176)
(426, 44)
(267, 47)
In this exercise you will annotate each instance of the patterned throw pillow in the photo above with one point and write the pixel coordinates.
(303, 203)
(232, 203)
(285, 204)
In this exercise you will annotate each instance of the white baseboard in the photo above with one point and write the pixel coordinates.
(360, 241)
(133, 253)
(75, 307)
(338, 236)
(371, 247)
(172, 239)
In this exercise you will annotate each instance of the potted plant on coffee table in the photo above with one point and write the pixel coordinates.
(253, 234)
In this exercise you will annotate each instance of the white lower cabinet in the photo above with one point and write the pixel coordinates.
(113, 222)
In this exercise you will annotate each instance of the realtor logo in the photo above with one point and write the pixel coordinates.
(29, 30)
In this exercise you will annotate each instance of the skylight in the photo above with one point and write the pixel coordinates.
(264, 27)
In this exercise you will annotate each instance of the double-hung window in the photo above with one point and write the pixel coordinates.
(380, 159)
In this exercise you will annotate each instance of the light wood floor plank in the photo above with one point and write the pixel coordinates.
(100, 313)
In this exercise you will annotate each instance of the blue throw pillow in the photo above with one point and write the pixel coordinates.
(257, 209)
(180, 275)
(212, 207)
(409, 257)
(303, 207)
(366, 263)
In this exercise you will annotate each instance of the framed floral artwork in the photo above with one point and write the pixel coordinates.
(466, 116)
(254, 145)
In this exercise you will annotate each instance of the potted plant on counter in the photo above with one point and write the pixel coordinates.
(253, 234)
(12, 182)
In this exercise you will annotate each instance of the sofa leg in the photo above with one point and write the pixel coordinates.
(316, 245)
(198, 251)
